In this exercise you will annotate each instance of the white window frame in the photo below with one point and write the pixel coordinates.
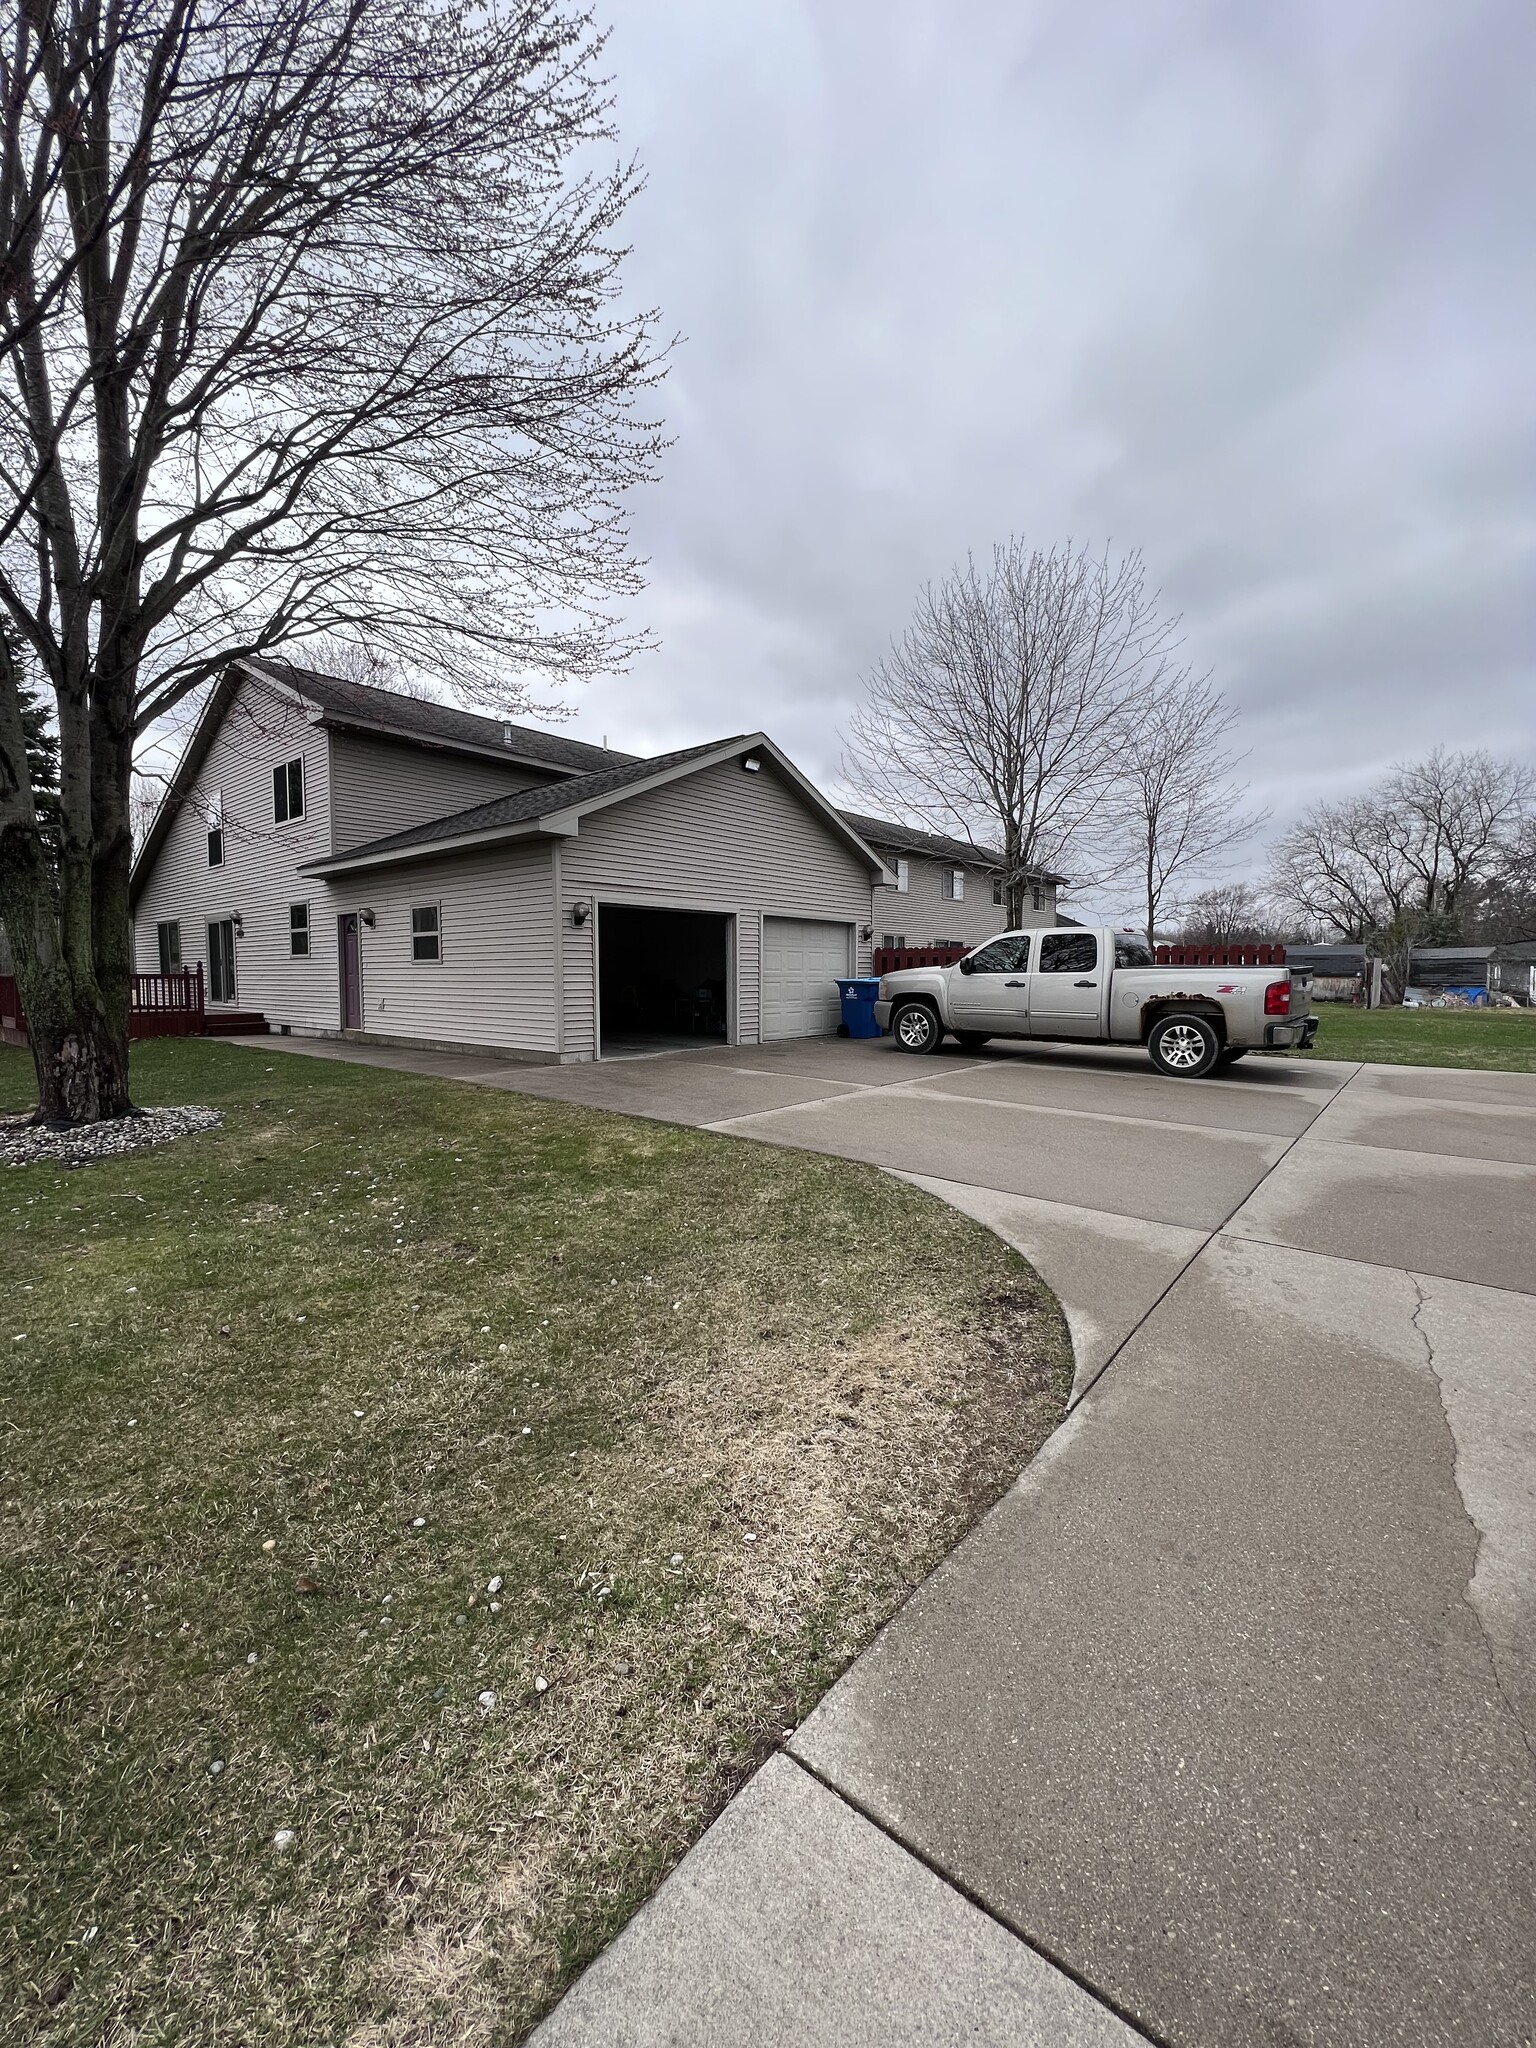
(953, 885)
(997, 889)
(903, 877)
(162, 945)
(436, 935)
(306, 931)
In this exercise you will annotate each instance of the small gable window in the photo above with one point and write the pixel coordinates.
(288, 791)
(997, 889)
(426, 935)
(215, 846)
(298, 930)
(953, 890)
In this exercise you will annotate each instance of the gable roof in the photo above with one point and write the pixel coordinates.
(363, 707)
(557, 808)
(934, 845)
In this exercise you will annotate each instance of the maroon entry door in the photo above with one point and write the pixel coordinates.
(351, 973)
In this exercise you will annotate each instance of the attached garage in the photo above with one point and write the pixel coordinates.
(802, 958)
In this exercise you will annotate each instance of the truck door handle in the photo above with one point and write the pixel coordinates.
(1085, 984)
(1015, 984)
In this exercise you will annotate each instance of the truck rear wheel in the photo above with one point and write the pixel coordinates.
(1184, 1045)
(916, 1028)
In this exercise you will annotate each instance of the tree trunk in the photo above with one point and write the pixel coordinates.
(68, 927)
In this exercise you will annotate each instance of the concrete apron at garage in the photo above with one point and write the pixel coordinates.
(1220, 1727)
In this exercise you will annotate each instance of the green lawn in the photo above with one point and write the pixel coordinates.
(283, 1401)
(1504, 1040)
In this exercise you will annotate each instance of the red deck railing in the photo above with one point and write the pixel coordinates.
(164, 1006)
(168, 1005)
(1242, 953)
(891, 959)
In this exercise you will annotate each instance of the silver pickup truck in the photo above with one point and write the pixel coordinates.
(1103, 987)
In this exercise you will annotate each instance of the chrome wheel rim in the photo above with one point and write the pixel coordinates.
(1181, 1045)
(914, 1029)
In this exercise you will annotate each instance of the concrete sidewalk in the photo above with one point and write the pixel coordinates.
(1220, 1727)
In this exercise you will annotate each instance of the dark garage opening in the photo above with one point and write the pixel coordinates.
(662, 977)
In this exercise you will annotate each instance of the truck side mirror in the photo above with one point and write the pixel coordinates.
(967, 966)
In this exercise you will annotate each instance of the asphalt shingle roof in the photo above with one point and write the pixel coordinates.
(524, 805)
(885, 832)
(363, 704)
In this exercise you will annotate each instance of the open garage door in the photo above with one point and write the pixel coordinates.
(802, 958)
(663, 977)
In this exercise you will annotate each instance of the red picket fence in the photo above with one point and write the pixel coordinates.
(891, 959)
(1245, 953)
(164, 1006)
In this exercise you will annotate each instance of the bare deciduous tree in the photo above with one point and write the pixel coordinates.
(306, 325)
(1405, 863)
(1179, 808)
(1000, 715)
(1227, 912)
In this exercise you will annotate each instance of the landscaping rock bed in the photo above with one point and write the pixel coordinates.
(27, 1144)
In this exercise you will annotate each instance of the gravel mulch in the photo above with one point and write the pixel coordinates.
(24, 1144)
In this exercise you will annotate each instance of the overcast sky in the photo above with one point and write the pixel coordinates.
(1248, 287)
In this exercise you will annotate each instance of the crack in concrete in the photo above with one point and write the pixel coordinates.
(1421, 1302)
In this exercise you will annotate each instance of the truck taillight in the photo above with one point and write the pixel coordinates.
(1277, 999)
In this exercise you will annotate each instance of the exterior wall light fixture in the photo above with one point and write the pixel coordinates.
(238, 921)
(581, 911)
(367, 917)
(866, 931)
(751, 763)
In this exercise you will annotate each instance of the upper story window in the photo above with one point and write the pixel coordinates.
(952, 886)
(215, 846)
(288, 791)
(1038, 896)
(997, 888)
(1069, 953)
(169, 936)
(1003, 956)
(903, 877)
(426, 933)
(298, 930)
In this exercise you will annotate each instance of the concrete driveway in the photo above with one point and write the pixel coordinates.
(1221, 1727)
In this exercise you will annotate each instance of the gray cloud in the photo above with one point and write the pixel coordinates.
(1246, 287)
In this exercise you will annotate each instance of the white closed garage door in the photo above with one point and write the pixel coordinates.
(802, 958)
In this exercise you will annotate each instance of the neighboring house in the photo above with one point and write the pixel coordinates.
(339, 857)
(944, 891)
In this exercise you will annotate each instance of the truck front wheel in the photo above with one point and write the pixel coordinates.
(915, 1028)
(1184, 1045)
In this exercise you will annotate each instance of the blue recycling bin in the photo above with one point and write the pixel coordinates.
(858, 998)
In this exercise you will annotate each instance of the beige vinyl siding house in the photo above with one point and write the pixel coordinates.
(458, 880)
(944, 891)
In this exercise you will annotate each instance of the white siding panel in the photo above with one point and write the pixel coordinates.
(259, 878)
(380, 786)
(801, 963)
(494, 984)
(715, 840)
